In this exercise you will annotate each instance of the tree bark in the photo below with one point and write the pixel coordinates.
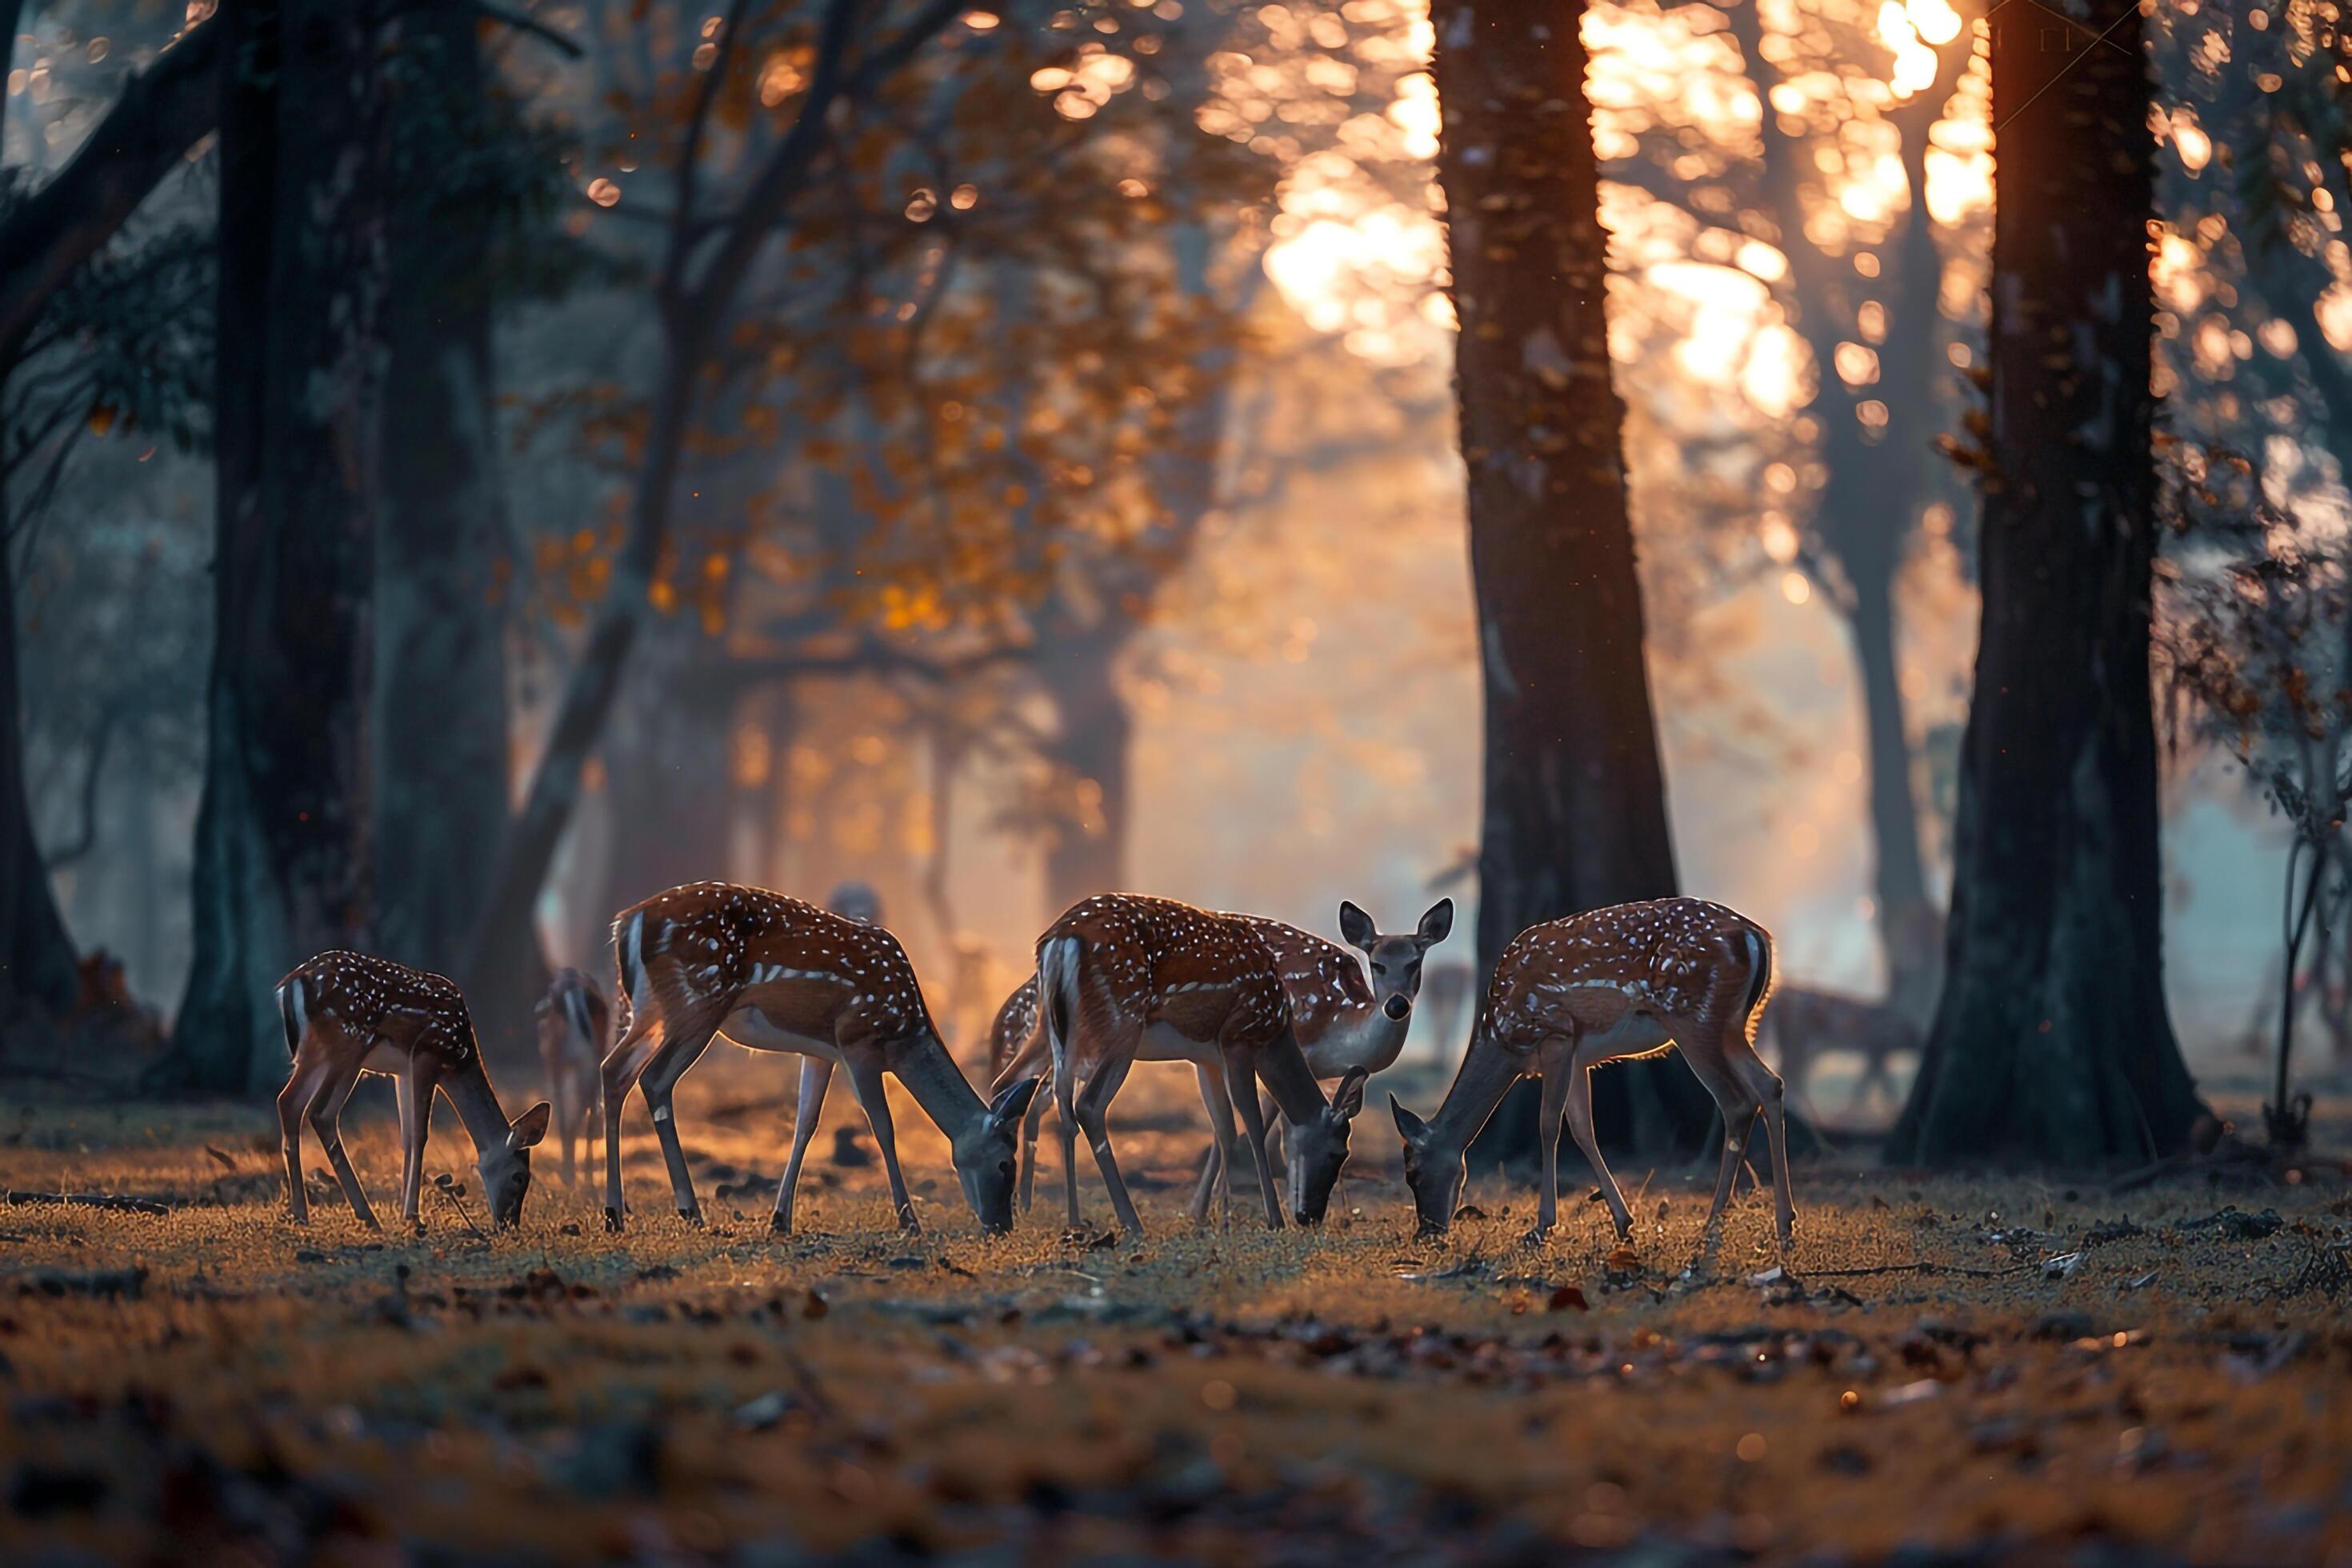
(1574, 814)
(1089, 854)
(282, 844)
(441, 690)
(36, 955)
(2051, 1041)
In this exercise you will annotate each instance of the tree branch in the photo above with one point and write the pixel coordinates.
(163, 110)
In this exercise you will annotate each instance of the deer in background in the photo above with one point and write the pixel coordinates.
(1342, 1022)
(777, 974)
(1806, 1024)
(1613, 985)
(1123, 977)
(346, 1014)
(571, 1022)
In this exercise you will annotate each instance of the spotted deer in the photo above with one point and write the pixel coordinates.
(774, 974)
(1123, 977)
(573, 1024)
(1342, 1021)
(346, 1014)
(1613, 985)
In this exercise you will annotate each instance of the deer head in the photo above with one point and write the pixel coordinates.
(1319, 1149)
(1395, 959)
(986, 1156)
(1435, 1178)
(504, 1165)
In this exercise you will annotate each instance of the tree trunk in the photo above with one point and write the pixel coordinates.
(1574, 810)
(1089, 854)
(667, 770)
(2051, 1041)
(441, 689)
(1905, 915)
(36, 955)
(282, 848)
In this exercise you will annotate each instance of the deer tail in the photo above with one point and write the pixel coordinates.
(629, 959)
(1057, 993)
(292, 1011)
(1760, 961)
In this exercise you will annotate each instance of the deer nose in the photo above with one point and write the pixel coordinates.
(1396, 1007)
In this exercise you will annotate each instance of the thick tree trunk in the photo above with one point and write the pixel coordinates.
(37, 956)
(282, 857)
(667, 770)
(2051, 1041)
(1575, 810)
(1089, 854)
(440, 749)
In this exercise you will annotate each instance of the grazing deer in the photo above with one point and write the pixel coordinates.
(1342, 1022)
(348, 1014)
(777, 974)
(571, 1021)
(1123, 977)
(1615, 984)
(1805, 1023)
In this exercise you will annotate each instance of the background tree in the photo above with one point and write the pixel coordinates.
(2052, 1040)
(1575, 812)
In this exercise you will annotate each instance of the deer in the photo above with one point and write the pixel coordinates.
(1123, 977)
(349, 1013)
(1340, 1020)
(774, 974)
(571, 1021)
(1806, 1022)
(1618, 983)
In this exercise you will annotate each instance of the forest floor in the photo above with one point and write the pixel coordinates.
(1948, 1369)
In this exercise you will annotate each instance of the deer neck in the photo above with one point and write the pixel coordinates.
(1361, 1036)
(1283, 1069)
(1485, 1074)
(470, 1091)
(931, 1076)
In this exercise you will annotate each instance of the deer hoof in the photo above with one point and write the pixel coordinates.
(613, 1221)
(691, 1217)
(1535, 1239)
(781, 1224)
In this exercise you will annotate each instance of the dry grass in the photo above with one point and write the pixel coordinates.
(215, 1381)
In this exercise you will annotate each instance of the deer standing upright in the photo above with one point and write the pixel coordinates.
(1615, 984)
(573, 1024)
(346, 1014)
(778, 974)
(1123, 977)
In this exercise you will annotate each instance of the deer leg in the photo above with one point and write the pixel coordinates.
(301, 1087)
(566, 1095)
(678, 1053)
(1764, 1085)
(1738, 1106)
(1092, 1108)
(1579, 1127)
(816, 1076)
(326, 1114)
(1066, 1104)
(1240, 1073)
(1030, 1123)
(866, 1082)
(416, 1100)
(1221, 1133)
(1558, 1058)
(620, 1072)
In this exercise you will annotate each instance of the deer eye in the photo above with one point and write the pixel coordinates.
(1379, 969)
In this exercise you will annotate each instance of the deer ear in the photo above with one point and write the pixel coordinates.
(1348, 1098)
(1411, 1128)
(1437, 924)
(1013, 1104)
(1357, 926)
(530, 1127)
